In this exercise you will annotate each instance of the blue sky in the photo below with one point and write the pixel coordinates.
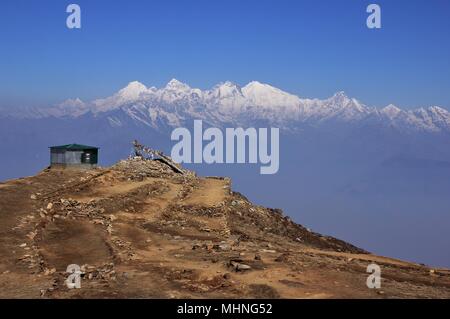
(311, 48)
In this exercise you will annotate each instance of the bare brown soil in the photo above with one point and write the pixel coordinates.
(140, 230)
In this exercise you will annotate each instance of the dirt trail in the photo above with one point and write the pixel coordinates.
(209, 193)
(366, 257)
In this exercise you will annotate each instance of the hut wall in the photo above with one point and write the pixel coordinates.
(58, 157)
(73, 157)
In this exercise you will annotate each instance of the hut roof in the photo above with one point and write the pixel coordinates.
(74, 147)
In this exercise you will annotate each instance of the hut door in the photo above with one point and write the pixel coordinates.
(86, 158)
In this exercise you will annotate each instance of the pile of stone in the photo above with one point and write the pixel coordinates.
(122, 249)
(137, 169)
(73, 209)
(104, 272)
(32, 260)
(66, 208)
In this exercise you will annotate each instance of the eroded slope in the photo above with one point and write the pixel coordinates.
(140, 230)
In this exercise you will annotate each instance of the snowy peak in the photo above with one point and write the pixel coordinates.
(343, 107)
(265, 95)
(226, 90)
(438, 111)
(437, 117)
(256, 88)
(341, 99)
(132, 91)
(391, 108)
(391, 111)
(72, 103)
(255, 85)
(71, 107)
(175, 85)
(341, 95)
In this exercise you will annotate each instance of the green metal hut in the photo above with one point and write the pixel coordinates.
(74, 155)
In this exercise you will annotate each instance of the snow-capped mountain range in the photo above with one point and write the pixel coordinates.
(227, 103)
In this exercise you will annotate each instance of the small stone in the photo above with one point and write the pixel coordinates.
(222, 247)
(270, 251)
(48, 272)
(50, 206)
(31, 235)
(33, 197)
(23, 245)
(240, 267)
